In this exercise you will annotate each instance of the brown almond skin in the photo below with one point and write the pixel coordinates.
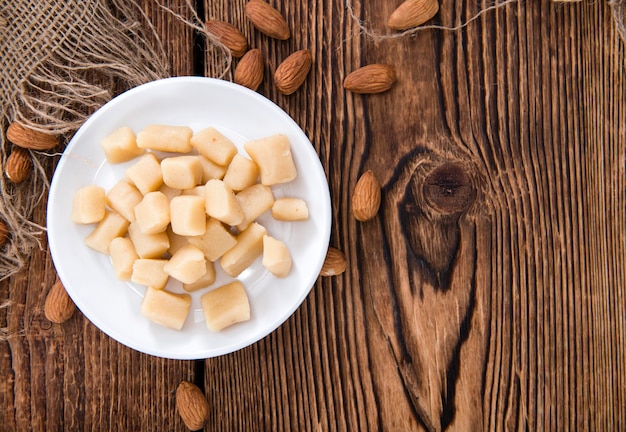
(18, 165)
(59, 307)
(191, 405)
(267, 19)
(366, 197)
(229, 35)
(292, 72)
(334, 263)
(412, 13)
(249, 71)
(30, 139)
(370, 79)
(4, 233)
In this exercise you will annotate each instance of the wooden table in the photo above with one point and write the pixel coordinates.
(489, 292)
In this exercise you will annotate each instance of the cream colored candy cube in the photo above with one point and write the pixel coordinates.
(181, 172)
(148, 245)
(89, 205)
(187, 264)
(145, 174)
(166, 308)
(188, 215)
(152, 214)
(111, 226)
(274, 159)
(215, 241)
(216, 147)
(175, 139)
(211, 170)
(254, 201)
(248, 248)
(123, 198)
(221, 203)
(123, 257)
(120, 146)
(276, 257)
(290, 209)
(225, 306)
(176, 241)
(150, 272)
(241, 173)
(205, 281)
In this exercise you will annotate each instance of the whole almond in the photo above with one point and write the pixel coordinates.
(249, 71)
(30, 139)
(59, 307)
(267, 19)
(192, 406)
(374, 78)
(334, 263)
(292, 72)
(366, 197)
(18, 165)
(412, 13)
(4, 233)
(229, 35)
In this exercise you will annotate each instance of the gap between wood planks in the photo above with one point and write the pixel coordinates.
(199, 44)
(198, 65)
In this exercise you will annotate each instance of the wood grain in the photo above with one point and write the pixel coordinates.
(493, 302)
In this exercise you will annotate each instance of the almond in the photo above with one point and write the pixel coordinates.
(412, 13)
(18, 165)
(374, 78)
(334, 263)
(229, 35)
(59, 307)
(366, 197)
(192, 406)
(30, 138)
(249, 71)
(292, 72)
(4, 233)
(267, 19)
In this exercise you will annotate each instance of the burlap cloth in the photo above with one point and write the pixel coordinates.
(60, 61)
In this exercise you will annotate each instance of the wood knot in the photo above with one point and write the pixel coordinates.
(448, 188)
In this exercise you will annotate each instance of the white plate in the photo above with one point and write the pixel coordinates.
(114, 306)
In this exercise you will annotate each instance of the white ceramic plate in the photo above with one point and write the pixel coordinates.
(114, 306)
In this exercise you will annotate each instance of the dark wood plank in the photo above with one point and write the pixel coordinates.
(521, 323)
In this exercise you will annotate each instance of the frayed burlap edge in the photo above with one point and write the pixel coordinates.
(4, 331)
(618, 10)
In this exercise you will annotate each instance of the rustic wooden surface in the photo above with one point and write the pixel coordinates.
(493, 298)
